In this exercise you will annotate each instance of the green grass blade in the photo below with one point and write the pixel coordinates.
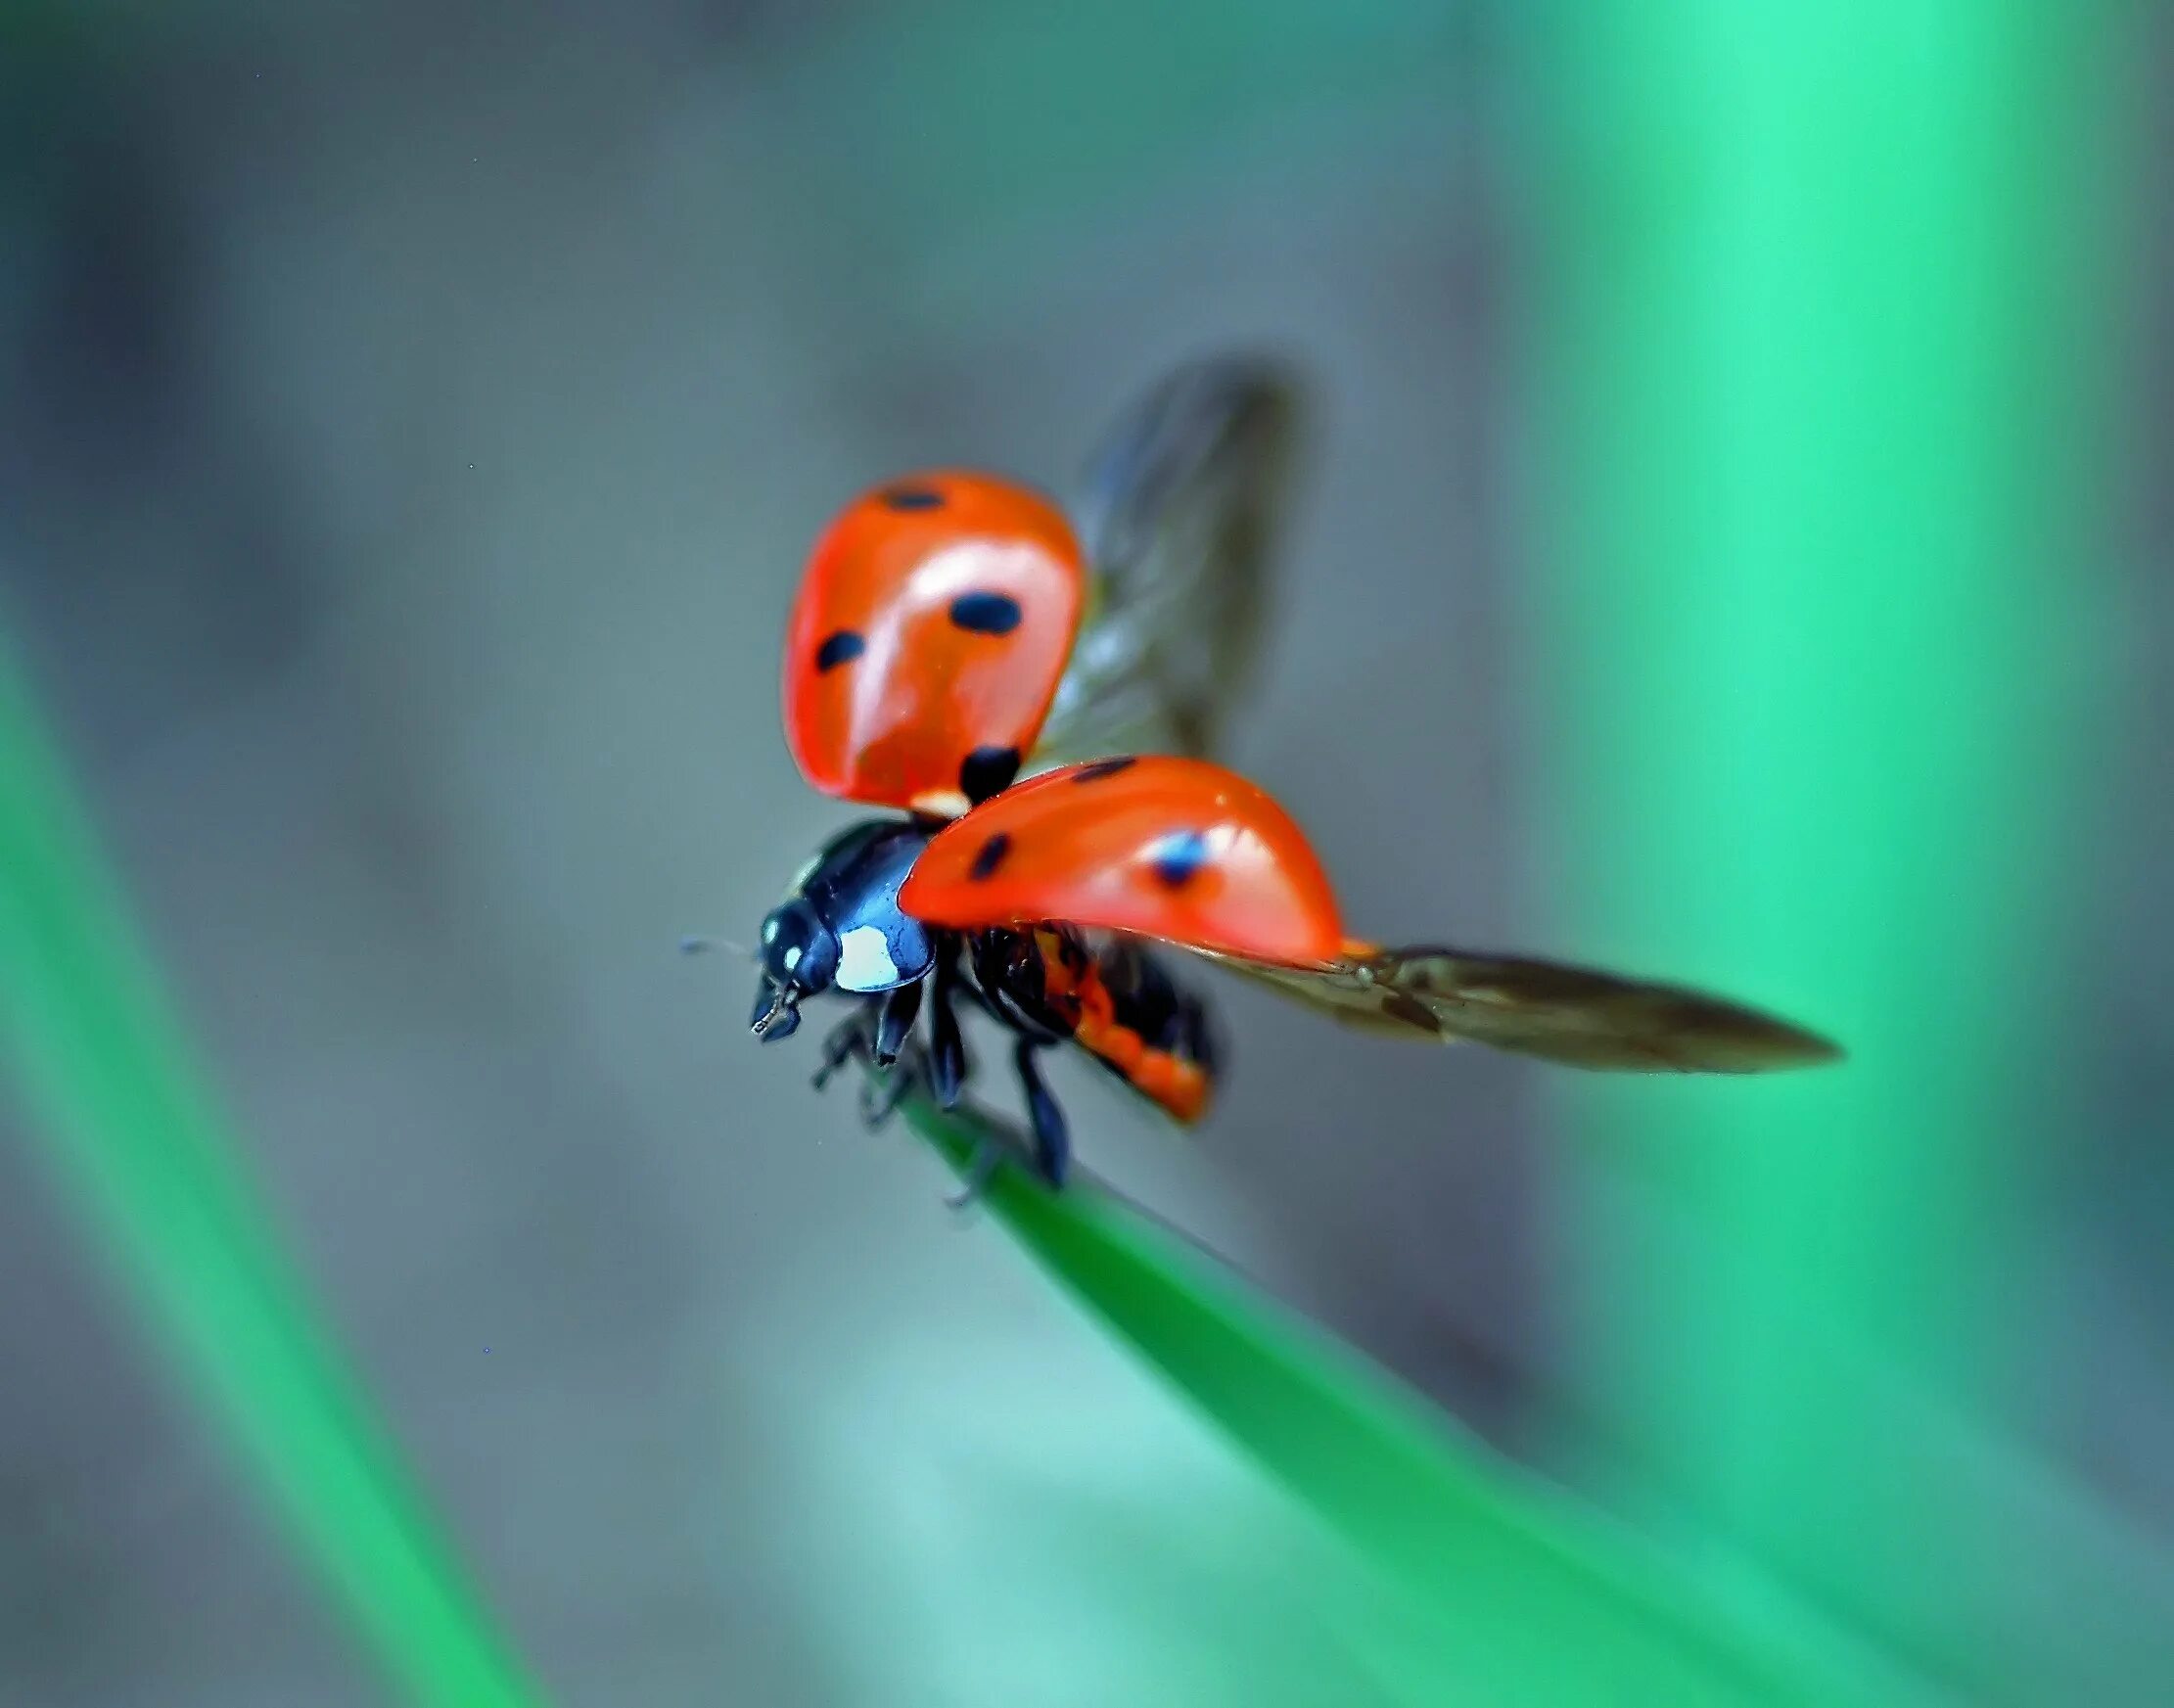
(126, 1121)
(1519, 1598)
(1511, 1595)
(1824, 373)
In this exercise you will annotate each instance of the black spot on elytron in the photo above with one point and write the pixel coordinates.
(986, 771)
(986, 613)
(1411, 1011)
(989, 856)
(1177, 856)
(1101, 769)
(912, 498)
(841, 648)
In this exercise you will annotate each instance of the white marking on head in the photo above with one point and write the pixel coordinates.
(864, 960)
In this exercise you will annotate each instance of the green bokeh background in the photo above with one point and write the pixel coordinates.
(1732, 553)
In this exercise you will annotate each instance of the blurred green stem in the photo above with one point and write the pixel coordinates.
(1820, 357)
(124, 1117)
(1501, 1593)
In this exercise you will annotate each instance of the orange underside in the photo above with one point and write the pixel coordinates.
(1181, 1087)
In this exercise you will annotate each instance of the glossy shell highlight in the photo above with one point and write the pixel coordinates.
(1173, 848)
(931, 627)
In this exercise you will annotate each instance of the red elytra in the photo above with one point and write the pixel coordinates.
(931, 627)
(1174, 848)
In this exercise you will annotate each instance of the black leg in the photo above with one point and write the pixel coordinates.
(947, 1049)
(853, 1039)
(1052, 1150)
(848, 1041)
(880, 1095)
(1196, 1036)
(894, 1017)
(974, 994)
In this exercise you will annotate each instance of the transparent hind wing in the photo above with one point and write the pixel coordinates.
(1178, 514)
(1568, 1014)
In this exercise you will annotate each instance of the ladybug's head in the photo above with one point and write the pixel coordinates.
(799, 958)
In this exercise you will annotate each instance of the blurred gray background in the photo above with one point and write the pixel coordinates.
(412, 420)
(414, 424)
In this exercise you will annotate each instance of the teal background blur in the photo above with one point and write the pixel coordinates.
(1734, 550)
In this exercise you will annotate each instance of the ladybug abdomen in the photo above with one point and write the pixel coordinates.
(1117, 1003)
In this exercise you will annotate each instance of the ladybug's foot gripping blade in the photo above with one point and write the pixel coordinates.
(989, 1156)
(885, 1089)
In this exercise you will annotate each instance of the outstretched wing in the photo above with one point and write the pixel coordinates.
(1569, 1014)
(1188, 854)
(1178, 515)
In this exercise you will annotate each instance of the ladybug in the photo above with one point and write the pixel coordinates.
(951, 626)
